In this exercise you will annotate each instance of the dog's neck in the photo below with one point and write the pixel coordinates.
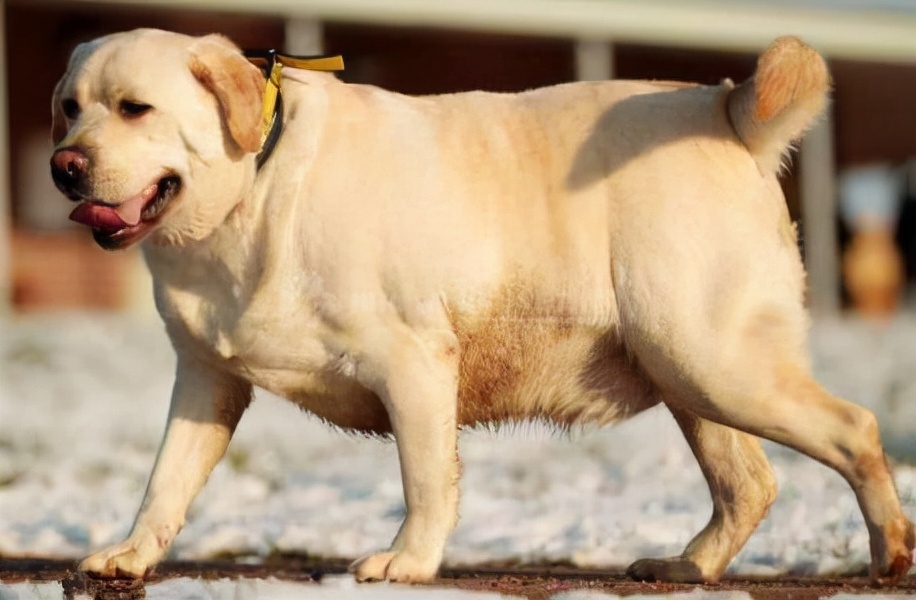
(272, 106)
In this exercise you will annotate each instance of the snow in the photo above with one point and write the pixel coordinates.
(331, 588)
(84, 397)
(334, 588)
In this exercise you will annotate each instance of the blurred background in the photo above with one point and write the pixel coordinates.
(852, 188)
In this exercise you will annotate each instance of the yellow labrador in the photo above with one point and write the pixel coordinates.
(412, 265)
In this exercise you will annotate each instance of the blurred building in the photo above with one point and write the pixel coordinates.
(432, 46)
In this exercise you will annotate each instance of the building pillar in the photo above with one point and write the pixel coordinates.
(304, 36)
(817, 188)
(594, 60)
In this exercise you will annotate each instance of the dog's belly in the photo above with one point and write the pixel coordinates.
(331, 396)
(514, 371)
(546, 369)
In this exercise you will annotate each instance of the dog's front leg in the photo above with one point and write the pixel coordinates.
(419, 389)
(206, 407)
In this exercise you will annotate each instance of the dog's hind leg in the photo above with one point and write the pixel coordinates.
(746, 369)
(742, 486)
(802, 415)
(787, 406)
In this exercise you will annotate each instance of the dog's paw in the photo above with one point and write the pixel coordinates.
(399, 567)
(897, 561)
(895, 571)
(675, 569)
(123, 560)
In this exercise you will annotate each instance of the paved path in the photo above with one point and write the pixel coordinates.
(533, 582)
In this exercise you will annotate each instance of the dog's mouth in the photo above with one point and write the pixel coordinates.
(118, 226)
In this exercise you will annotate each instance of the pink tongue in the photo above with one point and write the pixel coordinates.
(98, 216)
(114, 218)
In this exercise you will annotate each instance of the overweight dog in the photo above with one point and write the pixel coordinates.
(412, 265)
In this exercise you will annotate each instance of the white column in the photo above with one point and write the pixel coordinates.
(304, 36)
(594, 60)
(817, 188)
(6, 206)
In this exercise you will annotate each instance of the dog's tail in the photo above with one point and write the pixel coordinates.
(781, 101)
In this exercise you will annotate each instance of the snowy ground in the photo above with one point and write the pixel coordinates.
(83, 400)
(343, 588)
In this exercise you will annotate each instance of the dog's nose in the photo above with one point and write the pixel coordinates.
(68, 169)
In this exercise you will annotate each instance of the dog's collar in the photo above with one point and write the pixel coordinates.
(271, 63)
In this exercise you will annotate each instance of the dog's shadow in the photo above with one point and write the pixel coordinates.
(640, 124)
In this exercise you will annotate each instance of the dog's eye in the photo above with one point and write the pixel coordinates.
(133, 109)
(71, 109)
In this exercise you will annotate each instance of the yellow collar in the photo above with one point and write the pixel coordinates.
(271, 63)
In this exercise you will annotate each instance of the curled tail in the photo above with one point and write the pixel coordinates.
(781, 101)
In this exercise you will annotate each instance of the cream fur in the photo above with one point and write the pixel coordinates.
(414, 264)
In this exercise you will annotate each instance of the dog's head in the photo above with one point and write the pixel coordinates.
(155, 134)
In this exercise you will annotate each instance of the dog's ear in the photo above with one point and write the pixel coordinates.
(59, 125)
(58, 119)
(237, 84)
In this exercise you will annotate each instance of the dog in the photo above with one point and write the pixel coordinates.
(413, 265)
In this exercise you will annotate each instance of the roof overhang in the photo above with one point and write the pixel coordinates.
(853, 31)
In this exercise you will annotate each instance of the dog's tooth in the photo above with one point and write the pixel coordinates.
(132, 210)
